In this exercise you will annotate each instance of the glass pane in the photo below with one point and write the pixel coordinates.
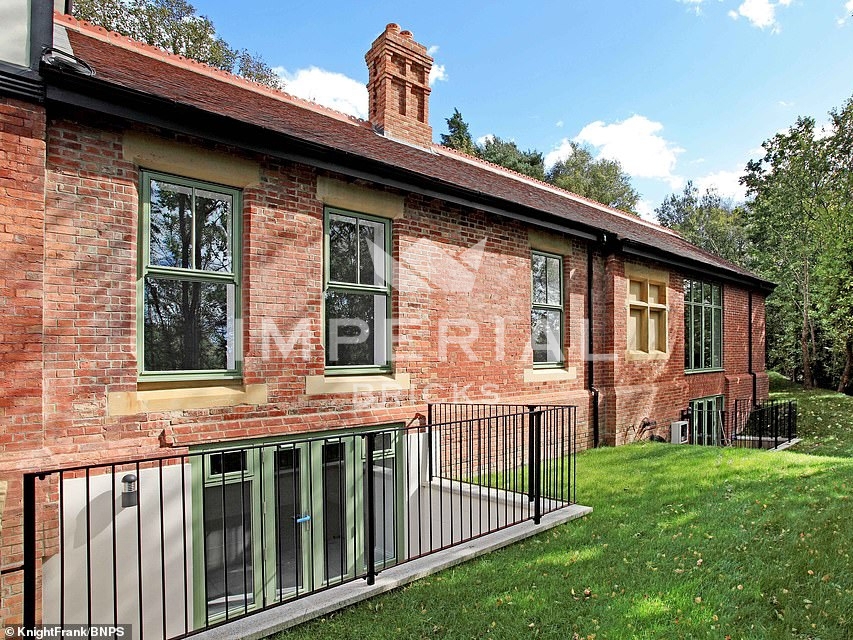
(356, 329)
(385, 513)
(229, 570)
(371, 254)
(189, 326)
(540, 279)
(657, 294)
(546, 335)
(335, 513)
(343, 249)
(688, 325)
(706, 294)
(718, 338)
(228, 462)
(289, 499)
(554, 293)
(717, 294)
(696, 338)
(706, 337)
(697, 291)
(688, 289)
(213, 231)
(170, 225)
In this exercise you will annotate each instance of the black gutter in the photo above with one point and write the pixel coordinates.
(590, 363)
(20, 83)
(749, 356)
(104, 97)
(112, 99)
(697, 267)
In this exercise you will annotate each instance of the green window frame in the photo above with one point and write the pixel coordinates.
(546, 315)
(188, 281)
(703, 326)
(236, 496)
(357, 293)
(707, 420)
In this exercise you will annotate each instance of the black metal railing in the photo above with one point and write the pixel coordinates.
(177, 544)
(764, 425)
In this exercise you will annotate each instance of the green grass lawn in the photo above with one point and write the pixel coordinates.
(684, 542)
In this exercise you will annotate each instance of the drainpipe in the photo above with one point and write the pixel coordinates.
(590, 365)
(749, 355)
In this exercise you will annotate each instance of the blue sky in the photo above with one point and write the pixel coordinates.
(673, 89)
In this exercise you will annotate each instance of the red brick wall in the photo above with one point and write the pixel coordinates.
(22, 158)
(70, 314)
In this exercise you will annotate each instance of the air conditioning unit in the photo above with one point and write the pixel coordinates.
(678, 431)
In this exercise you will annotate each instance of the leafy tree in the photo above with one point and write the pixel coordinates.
(708, 221)
(789, 192)
(507, 154)
(458, 136)
(174, 26)
(601, 180)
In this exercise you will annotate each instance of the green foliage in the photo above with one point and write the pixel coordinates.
(458, 136)
(708, 221)
(799, 222)
(174, 26)
(507, 154)
(683, 542)
(601, 180)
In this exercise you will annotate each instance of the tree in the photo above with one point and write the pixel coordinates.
(789, 192)
(458, 136)
(708, 221)
(601, 180)
(507, 154)
(174, 26)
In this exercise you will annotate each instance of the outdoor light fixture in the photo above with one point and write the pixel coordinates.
(129, 491)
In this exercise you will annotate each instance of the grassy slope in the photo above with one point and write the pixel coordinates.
(685, 542)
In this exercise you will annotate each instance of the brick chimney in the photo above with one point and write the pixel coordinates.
(398, 87)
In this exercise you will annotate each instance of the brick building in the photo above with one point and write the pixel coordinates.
(193, 259)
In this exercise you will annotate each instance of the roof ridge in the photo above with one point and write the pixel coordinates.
(113, 37)
(556, 189)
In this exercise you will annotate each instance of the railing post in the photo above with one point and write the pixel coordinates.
(30, 551)
(429, 440)
(792, 416)
(531, 450)
(775, 426)
(370, 500)
(537, 468)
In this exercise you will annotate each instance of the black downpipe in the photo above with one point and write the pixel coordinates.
(590, 364)
(749, 355)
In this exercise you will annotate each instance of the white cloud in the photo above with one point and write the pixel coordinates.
(486, 138)
(432, 50)
(725, 182)
(695, 5)
(562, 151)
(848, 10)
(824, 129)
(559, 124)
(638, 147)
(786, 105)
(760, 13)
(647, 210)
(438, 72)
(328, 88)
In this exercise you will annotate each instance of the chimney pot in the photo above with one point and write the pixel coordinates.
(406, 34)
(393, 27)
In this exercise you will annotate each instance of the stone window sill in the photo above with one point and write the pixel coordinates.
(330, 385)
(124, 403)
(550, 375)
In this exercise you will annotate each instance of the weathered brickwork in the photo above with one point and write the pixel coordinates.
(461, 305)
